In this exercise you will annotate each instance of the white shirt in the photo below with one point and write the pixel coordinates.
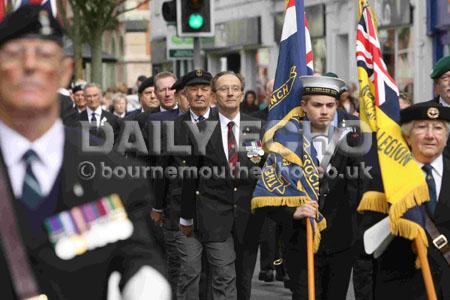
(224, 128)
(320, 143)
(438, 171)
(98, 114)
(194, 117)
(49, 149)
(443, 103)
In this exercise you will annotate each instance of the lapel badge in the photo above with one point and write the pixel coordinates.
(89, 226)
(103, 121)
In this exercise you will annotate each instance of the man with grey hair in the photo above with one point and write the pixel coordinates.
(425, 127)
(97, 116)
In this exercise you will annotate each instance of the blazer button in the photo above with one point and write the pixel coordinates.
(183, 162)
(234, 205)
(235, 189)
(197, 193)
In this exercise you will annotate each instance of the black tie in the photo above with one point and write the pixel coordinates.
(94, 119)
(31, 190)
(431, 205)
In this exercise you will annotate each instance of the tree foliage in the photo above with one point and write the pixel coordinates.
(91, 19)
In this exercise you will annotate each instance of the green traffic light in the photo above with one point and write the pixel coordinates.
(196, 21)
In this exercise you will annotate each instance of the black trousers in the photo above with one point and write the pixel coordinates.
(332, 274)
(246, 253)
(268, 245)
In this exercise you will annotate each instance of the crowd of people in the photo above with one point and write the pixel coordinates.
(68, 232)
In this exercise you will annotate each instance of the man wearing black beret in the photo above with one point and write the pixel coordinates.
(63, 229)
(425, 126)
(147, 98)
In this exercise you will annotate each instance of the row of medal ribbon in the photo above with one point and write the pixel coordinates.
(88, 226)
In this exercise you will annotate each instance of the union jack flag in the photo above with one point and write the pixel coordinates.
(402, 188)
(50, 5)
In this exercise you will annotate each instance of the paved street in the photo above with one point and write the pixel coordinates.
(275, 290)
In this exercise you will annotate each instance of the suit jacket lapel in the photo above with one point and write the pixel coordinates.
(442, 213)
(216, 142)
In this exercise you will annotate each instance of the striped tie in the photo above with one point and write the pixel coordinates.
(31, 190)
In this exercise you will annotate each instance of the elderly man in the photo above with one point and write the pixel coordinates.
(425, 127)
(220, 205)
(182, 260)
(63, 230)
(97, 116)
(147, 98)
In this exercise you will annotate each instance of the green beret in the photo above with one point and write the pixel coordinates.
(178, 85)
(425, 111)
(322, 85)
(442, 66)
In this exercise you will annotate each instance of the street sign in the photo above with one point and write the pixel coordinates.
(179, 48)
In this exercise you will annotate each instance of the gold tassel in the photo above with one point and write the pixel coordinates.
(373, 201)
(292, 201)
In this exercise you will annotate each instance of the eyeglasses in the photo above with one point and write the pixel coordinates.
(16, 54)
(234, 88)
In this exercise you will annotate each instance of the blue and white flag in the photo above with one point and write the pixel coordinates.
(290, 176)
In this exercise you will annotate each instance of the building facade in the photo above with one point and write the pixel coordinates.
(247, 34)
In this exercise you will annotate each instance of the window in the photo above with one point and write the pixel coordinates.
(398, 54)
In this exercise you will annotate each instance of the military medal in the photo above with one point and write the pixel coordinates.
(89, 226)
(254, 151)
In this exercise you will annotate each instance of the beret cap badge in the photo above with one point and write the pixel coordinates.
(199, 73)
(433, 113)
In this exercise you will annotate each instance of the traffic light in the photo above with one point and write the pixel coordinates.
(169, 11)
(195, 18)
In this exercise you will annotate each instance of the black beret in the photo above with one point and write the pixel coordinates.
(141, 78)
(178, 85)
(77, 88)
(30, 21)
(425, 111)
(197, 77)
(145, 84)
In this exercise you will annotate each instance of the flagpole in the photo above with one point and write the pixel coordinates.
(310, 261)
(425, 267)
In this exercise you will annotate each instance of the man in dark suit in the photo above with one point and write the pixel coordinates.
(425, 127)
(166, 212)
(97, 116)
(220, 204)
(339, 196)
(54, 207)
(147, 98)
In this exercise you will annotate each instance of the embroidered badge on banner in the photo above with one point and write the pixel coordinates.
(88, 226)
